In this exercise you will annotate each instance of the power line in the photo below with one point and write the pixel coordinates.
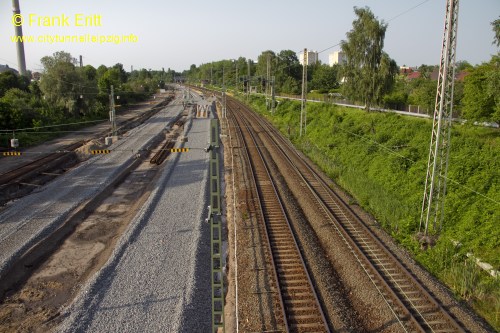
(413, 161)
(50, 126)
(391, 19)
(408, 10)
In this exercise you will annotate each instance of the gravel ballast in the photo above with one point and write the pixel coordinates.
(158, 277)
(26, 221)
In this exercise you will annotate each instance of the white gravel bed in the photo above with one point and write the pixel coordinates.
(158, 277)
(28, 220)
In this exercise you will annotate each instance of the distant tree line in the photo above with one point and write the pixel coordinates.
(370, 77)
(67, 93)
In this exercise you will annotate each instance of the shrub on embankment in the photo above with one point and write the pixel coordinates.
(381, 160)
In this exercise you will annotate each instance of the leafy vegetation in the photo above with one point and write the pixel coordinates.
(33, 111)
(381, 160)
(369, 71)
(481, 92)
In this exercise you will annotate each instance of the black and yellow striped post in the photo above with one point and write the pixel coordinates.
(11, 153)
(100, 151)
(217, 260)
(179, 150)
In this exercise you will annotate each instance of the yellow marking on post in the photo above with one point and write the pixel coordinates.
(11, 153)
(100, 151)
(179, 150)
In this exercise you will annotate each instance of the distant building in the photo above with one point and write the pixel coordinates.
(406, 69)
(413, 75)
(312, 58)
(337, 58)
(435, 74)
(6, 68)
(460, 76)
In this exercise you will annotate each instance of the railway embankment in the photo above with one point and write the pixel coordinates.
(381, 159)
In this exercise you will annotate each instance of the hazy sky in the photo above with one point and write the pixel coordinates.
(176, 34)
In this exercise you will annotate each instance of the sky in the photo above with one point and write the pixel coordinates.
(176, 34)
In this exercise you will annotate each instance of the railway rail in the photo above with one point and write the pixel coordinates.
(164, 151)
(22, 180)
(414, 307)
(301, 308)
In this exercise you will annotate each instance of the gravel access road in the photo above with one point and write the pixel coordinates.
(158, 277)
(26, 221)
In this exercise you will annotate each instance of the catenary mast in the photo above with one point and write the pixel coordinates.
(432, 214)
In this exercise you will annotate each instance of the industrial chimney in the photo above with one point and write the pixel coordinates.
(21, 62)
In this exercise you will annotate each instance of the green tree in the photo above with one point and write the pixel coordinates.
(423, 93)
(385, 77)
(324, 78)
(287, 72)
(90, 73)
(463, 65)
(426, 70)
(9, 80)
(61, 83)
(19, 110)
(100, 71)
(397, 98)
(496, 29)
(368, 70)
(481, 92)
(112, 77)
(261, 69)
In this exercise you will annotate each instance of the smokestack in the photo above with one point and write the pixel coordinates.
(21, 62)
(81, 61)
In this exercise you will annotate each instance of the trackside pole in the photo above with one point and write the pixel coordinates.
(216, 232)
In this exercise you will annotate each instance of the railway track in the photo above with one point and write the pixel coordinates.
(164, 151)
(22, 180)
(300, 305)
(413, 306)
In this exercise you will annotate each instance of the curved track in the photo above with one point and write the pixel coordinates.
(412, 305)
(297, 296)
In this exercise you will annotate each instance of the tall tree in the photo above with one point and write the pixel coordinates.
(288, 72)
(481, 94)
(368, 71)
(496, 30)
(61, 83)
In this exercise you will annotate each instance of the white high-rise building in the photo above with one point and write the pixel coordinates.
(312, 57)
(337, 57)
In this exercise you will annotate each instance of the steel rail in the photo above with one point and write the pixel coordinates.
(295, 283)
(422, 316)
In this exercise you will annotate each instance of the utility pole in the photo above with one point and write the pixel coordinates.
(236, 79)
(223, 94)
(437, 166)
(112, 117)
(268, 75)
(248, 83)
(273, 97)
(303, 118)
(17, 20)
